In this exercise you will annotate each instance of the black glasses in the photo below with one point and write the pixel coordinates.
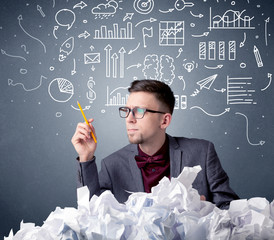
(137, 112)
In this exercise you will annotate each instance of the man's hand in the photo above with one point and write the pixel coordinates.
(202, 198)
(83, 141)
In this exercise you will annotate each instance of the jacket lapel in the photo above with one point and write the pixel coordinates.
(135, 171)
(176, 157)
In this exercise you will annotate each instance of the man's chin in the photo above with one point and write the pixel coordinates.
(134, 140)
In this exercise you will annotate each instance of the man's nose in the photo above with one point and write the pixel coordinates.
(130, 117)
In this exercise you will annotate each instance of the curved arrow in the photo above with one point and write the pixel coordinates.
(20, 18)
(10, 83)
(212, 115)
(247, 136)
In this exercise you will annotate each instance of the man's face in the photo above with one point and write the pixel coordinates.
(148, 128)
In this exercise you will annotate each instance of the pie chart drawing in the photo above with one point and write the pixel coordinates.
(61, 90)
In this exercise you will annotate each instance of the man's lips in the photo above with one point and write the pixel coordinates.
(132, 129)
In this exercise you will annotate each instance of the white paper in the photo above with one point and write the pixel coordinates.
(172, 210)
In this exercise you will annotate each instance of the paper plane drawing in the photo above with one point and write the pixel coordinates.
(205, 83)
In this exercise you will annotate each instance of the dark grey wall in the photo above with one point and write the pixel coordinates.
(195, 48)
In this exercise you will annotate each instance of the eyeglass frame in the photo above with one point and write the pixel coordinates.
(132, 111)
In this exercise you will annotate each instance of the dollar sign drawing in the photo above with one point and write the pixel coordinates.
(91, 95)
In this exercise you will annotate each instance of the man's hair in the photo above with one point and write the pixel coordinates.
(160, 90)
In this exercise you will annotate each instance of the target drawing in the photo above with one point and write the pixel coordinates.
(143, 6)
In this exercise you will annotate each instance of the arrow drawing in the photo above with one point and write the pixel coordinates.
(133, 50)
(243, 42)
(166, 11)
(80, 5)
(205, 34)
(13, 56)
(108, 49)
(135, 65)
(39, 9)
(114, 64)
(265, 29)
(218, 66)
(212, 115)
(182, 79)
(198, 16)
(85, 34)
(247, 135)
(122, 52)
(10, 83)
(269, 75)
(146, 20)
(220, 90)
(73, 71)
(20, 18)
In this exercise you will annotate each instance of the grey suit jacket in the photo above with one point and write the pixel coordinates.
(120, 173)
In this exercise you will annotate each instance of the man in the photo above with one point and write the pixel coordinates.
(151, 154)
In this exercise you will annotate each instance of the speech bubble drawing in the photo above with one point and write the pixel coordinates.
(65, 18)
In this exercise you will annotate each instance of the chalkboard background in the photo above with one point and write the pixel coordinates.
(216, 55)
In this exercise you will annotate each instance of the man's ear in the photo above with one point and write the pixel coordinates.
(166, 120)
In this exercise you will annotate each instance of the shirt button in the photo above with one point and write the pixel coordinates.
(153, 170)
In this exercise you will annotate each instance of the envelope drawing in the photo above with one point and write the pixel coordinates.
(90, 58)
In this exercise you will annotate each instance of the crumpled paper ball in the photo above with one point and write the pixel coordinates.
(173, 210)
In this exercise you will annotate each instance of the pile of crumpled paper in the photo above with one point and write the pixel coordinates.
(172, 210)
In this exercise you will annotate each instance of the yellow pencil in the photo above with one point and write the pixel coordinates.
(86, 121)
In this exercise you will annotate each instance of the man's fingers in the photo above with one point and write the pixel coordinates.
(202, 198)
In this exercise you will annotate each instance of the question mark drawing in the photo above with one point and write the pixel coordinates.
(25, 48)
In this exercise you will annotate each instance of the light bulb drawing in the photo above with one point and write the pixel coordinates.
(189, 66)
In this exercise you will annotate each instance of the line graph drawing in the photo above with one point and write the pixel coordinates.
(260, 143)
(117, 97)
(230, 20)
(171, 33)
(239, 90)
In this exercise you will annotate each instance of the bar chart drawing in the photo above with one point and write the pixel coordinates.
(117, 97)
(115, 32)
(239, 90)
(221, 50)
(171, 33)
(230, 20)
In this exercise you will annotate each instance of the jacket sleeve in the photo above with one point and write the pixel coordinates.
(218, 180)
(88, 176)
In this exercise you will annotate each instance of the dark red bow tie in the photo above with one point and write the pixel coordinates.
(142, 161)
